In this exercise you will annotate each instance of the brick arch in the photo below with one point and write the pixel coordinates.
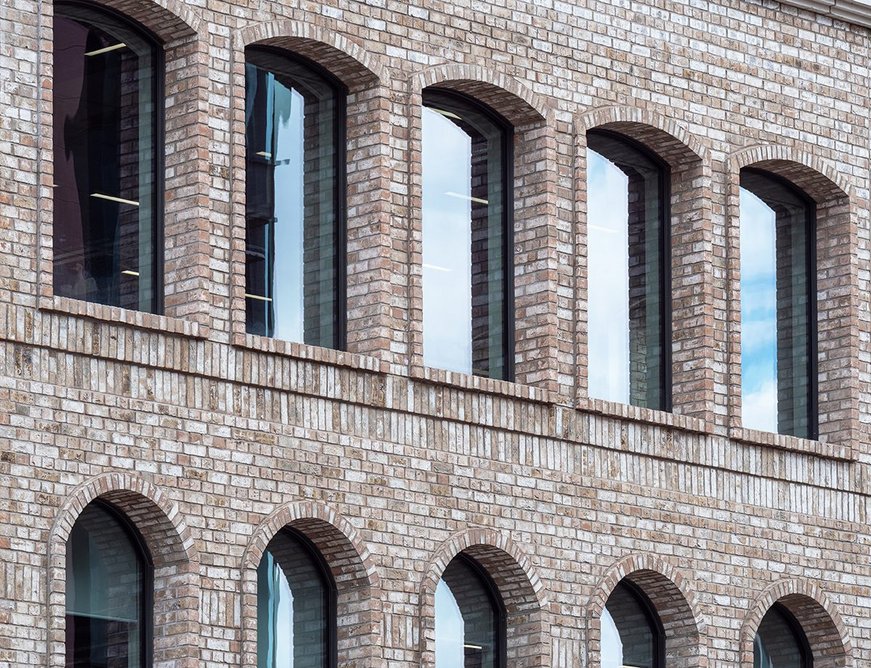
(817, 177)
(501, 92)
(173, 552)
(827, 635)
(691, 239)
(672, 596)
(170, 20)
(837, 272)
(353, 570)
(515, 576)
(356, 67)
(668, 138)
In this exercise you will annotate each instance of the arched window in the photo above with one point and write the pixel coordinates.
(109, 580)
(296, 605)
(780, 642)
(778, 306)
(629, 318)
(107, 167)
(632, 634)
(470, 629)
(295, 200)
(467, 265)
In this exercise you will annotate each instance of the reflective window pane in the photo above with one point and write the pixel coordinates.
(627, 297)
(776, 306)
(468, 620)
(293, 607)
(105, 182)
(104, 606)
(465, 222)
(629, 637)
(776, 644)
(292, 117)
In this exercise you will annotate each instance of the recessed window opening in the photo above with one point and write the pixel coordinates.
(470, 618)
(632, 635)
(467, 265)
(780, 642)
(629, 326)
(778, 306)
(107, 166)
(295, 201)
(108, 599)
(296, 605)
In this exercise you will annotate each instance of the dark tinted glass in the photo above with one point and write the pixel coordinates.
(105, 594)
(466, 271)
(469, 621)
(777, 293)
(293, 207)
(105, 164)
(294, 612)
(777, 644)
(627, 269)
(629, 636)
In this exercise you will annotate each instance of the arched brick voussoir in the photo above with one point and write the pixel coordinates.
(359, 615)
(501, 92)
(666, 137)
(169, 20)
(344, 58)
(173, 552)
(816, 177)
(671, 593)
(827, 635)
(517, 581)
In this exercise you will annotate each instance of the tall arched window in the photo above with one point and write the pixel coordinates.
(467, 265)
(295, 200)
(296, 605)
(107, 164)
(109, 580)
(632, 634)
(629, 322)
(780, 642)
(470, 629)
(778, 306)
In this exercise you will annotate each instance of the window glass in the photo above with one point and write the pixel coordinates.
(105, 600)
(630, 638)
(105, 163)
(465, 238)
(777, 644)
(469, 624)
(295, 617)
(627, 274)
(293, 206)
(776, 307)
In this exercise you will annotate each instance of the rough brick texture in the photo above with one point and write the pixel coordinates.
(210, 440)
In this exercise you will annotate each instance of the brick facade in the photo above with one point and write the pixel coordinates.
(210, 439)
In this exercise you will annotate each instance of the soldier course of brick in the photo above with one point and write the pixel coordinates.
(210, 440)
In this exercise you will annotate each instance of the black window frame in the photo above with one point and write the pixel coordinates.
(810, 221)
(332, 595)
(430, 97)
(158, 131)
(340, 202)
(666, 378)
(654, 623)
(798, 633)
(141, 547)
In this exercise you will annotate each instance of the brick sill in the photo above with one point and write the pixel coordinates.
(116, 315)
(467, 381)
(303, 351)
(615, 409)
(793, 443)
